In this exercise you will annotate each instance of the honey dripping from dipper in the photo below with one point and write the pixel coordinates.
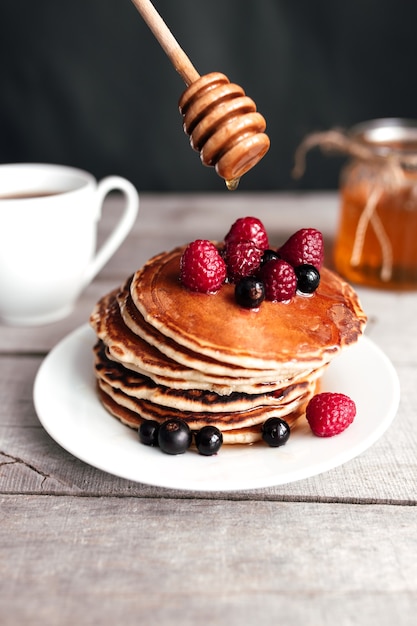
(232, 184)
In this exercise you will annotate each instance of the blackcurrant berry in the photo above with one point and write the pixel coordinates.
(208, 440)
(275, 432)
(174, 436)
(308, 278)
(269, 255)
(148, 432)
(249, 292)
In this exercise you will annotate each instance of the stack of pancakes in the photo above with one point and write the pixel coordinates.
(165, 352)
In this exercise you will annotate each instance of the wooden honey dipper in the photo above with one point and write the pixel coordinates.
(221, 121)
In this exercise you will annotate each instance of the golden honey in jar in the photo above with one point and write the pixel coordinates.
(376, 244)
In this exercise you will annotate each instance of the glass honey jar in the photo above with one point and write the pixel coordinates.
(376, 242)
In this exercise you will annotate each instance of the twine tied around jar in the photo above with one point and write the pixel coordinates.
(393, 166)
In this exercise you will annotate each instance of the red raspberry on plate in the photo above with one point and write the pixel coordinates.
(304, 246)
(248, 229)
(330, 413)
(279, 280)
(242, 259)
(202, 268)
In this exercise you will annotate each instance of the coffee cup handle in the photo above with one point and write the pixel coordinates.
(123, 226)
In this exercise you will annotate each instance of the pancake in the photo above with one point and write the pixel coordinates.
(248, 435)
(133, 351)
(164, 352)
(144, 388)
(304, 333)
(225, 421)
(181, 354)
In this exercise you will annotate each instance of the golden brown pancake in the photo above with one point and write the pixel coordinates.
(131, 350)
(299, 334)
(250, 434)
(181, 354)
(143, 388)
(165, 352)
(226, 422)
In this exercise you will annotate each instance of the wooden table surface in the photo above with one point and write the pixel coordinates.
(80, 546)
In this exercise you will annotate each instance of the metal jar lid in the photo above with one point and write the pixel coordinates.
(387, 135)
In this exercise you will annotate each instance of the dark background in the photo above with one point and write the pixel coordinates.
(85, 83)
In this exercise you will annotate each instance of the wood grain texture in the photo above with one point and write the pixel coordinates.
(78, 545)
(159, 561)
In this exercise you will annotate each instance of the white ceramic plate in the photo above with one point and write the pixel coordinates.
(68, 407)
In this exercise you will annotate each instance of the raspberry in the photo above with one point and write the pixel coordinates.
(330, 413)
(248, 229)
(202, 268)
(242, 259)
(279, 279)
(304, 246)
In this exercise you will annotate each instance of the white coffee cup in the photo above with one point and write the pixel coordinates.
(48, 233)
